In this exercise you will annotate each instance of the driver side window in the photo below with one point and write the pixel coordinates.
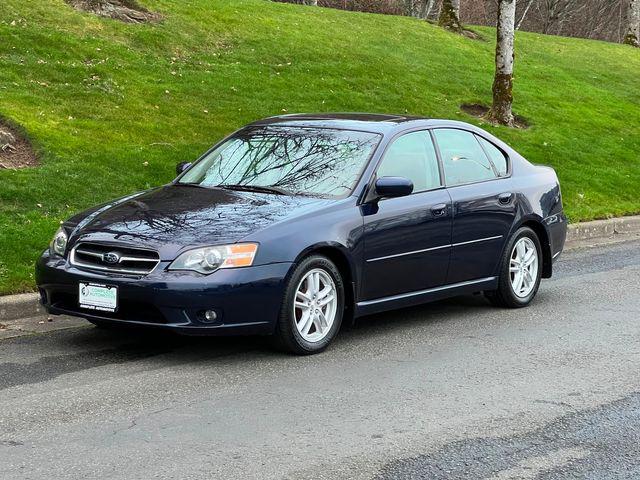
(412, 156)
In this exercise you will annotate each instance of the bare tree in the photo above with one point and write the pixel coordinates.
(427, 8)
(597, 19)
(450, 15)
(419, 8)
(632, 36)
(503, 82)
(524, 14)
(410, 8)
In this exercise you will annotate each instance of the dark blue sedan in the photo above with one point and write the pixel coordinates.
(295, 224)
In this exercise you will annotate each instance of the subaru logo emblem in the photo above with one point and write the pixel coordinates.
(111, 257)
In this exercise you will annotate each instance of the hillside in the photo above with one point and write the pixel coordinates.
(111, 107)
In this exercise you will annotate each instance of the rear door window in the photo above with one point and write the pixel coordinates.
(463, 159)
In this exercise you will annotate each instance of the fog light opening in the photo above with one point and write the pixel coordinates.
(210, 316)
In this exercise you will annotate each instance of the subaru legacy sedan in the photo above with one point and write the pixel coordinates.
(296, 224)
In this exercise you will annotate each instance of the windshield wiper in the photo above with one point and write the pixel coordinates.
(190, 184)
(254, 188)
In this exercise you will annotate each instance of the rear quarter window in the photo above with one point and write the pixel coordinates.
(496, 156)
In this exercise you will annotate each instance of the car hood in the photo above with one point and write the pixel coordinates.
(172, 217)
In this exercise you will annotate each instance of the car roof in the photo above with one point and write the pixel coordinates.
(369, 122)
(372, 122)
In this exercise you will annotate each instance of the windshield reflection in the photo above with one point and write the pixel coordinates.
(308, 161)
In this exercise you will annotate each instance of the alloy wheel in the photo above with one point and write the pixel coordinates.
(523, 267)
(315, 305)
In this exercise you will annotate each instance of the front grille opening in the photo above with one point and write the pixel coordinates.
(116, 259)
(127, 309)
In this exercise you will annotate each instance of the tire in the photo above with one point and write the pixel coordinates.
(293, 332)
(506, 295)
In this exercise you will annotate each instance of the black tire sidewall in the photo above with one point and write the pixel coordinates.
(287, 330)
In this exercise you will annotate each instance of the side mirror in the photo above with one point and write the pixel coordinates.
(182, 166)
(389, 187)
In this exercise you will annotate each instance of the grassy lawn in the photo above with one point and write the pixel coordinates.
(113, 107)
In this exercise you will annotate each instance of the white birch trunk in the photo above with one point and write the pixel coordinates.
(427, 8)
(503, 83)
(632, 36)
(450, 15)
(455, 4)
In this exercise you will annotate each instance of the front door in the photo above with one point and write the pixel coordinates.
(484, 203)
(407, 239)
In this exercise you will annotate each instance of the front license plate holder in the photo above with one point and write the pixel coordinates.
(96, 296)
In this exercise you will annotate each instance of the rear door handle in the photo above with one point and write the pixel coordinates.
(439, 210)
(505, 198)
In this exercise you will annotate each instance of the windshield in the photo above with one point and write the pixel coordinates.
(306, 161)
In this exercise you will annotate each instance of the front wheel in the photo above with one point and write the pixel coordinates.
(312, 307)
(520, 271)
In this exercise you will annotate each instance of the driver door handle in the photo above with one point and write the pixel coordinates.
(439, 210)
(505, 198)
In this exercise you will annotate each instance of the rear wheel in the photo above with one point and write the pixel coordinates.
(520, 271)
(312, 307)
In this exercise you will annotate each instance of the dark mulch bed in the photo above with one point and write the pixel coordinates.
(15, 150)
(480, 111)
(128, 11)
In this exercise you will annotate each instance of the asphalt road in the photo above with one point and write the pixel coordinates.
(456, 389)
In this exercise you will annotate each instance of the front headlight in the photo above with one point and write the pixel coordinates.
(209, 259)
(59, 243)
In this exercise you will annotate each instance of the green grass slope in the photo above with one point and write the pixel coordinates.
(112, 107)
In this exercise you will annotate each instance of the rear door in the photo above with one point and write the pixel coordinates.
(407, 239)
(477, 177)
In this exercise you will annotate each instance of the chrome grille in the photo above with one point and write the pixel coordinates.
(116, 259)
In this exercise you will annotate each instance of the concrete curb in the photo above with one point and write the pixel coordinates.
(587, 234)
(24, 305)
(603, 231)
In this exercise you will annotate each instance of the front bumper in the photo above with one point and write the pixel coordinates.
(246, 300)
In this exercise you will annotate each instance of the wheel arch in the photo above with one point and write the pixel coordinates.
(540, 230)
(340, 256)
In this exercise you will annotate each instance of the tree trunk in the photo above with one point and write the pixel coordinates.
(456, 8)
(450, 15)
(503, 83)
(409, 8)
(633, 19)
(427, 8)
